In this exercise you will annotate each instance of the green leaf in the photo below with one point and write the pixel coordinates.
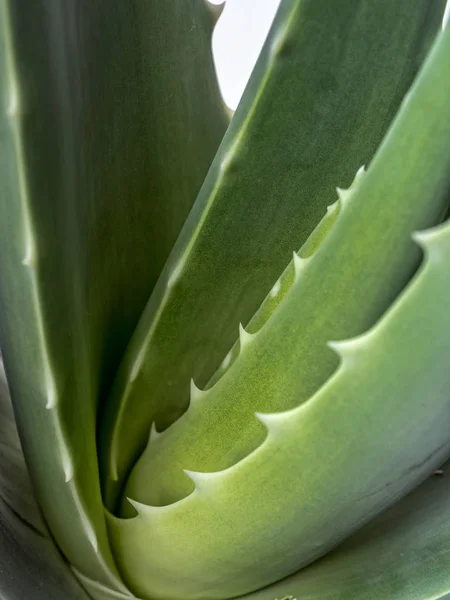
(401, 555)
(30, 564)
(15, 485)
(320, 99)
(97, 177)
(372, 432)
(97, 591)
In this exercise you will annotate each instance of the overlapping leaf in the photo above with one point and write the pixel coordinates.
(97, 176)
(373, 431)
(321, 97)
(401, 555)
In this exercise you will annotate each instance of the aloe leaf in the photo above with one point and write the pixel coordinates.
(287, 502)
(365, 256)
(287, 278)
(95, 102)
(401, 555)
(97, 591)
(30, 564)
(317, 106)
(15, 485)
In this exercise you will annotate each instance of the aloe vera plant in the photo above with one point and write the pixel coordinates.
(228, 379)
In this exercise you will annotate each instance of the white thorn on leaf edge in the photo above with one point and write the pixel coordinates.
(331, 208)
(51, 394)
(13, 109)
(227, 360)
(196, 392)
(30, 257)
(299, 264)
(244, 337)
(276, 289)
(270, 420)
(199, 479)
(349, 348)
(344, 194)
(154, 433)
(359, 174)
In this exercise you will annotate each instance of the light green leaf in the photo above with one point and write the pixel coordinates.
(320, 99)
(371, 433)
(403, 554)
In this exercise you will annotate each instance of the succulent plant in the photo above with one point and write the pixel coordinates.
(226, 342)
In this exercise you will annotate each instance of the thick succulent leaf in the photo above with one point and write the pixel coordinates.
(30, 564)
(318, 103)
(97, 591)
(287, 278)
(403, 554)
(359, 443)
(15, 485)
(292, 498)
(366, 255)
(95, 163)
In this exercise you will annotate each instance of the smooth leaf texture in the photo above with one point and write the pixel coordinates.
(366, 255)
(318, 103)
(15, 485)
(30, 564)
(292, 498)
(401, 555)
(94, 162)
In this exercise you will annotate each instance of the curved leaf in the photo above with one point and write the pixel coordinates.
(96, 173)
(371, 433)
(319, 101)
(30, 564)
(401, 555)
(15, 485)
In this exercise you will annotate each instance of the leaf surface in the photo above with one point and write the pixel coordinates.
(30, 564)
(374, 430)
(401, 555)
(97, 176)
(321, 97)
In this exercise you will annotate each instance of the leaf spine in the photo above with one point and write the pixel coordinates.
(299, 264)
(227, 360)
(331, 208)
(141, 509)
(359, 175)
(199, 479)
(196, 392)
(270, 420)
(343, 194)
(13, 108)
(349, 349)
(30, 256)
(154, 433)
(50, 390)
(276, 289)
(244, 337)
(67, 463)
